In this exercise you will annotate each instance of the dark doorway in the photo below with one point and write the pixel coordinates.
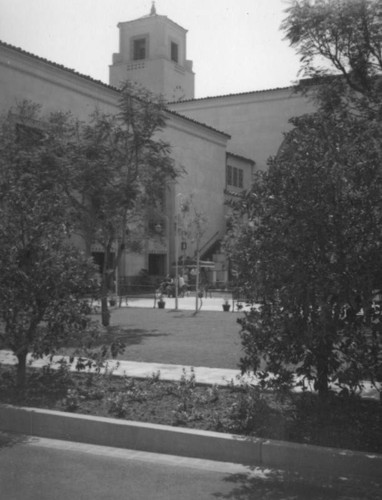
(99, 259)
(157, 264)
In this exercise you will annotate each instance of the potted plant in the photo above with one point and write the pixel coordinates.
(226, 305)
(161, 303)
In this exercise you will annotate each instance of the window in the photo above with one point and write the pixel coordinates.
(234, 176)
(174, 52)
(139, 49)
(229, 175)
(240, 178)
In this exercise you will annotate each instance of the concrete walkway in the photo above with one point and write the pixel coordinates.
(186, 303)
(203, 375)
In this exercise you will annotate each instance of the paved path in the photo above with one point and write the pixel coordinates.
(44, 469)
(136, 369)
(186, 303)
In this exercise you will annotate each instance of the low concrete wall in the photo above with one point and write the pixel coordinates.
(132, 435)
(334, 461)
(188, 442)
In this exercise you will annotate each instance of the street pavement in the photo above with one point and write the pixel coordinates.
(45, 469)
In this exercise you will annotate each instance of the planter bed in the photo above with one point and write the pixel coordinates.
(343, 423)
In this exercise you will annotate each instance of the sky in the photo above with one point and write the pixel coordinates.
(235, 45)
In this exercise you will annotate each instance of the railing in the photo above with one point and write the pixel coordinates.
(131, 295)
(209, 243)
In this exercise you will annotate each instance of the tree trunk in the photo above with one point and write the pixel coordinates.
(105, 313)
(21, 369)
(322, 383)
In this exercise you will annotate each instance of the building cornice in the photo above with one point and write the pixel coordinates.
(61, 67)
(69, 78)
(239, 157)
(155, 16)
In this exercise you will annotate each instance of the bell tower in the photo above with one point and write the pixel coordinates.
(152, 52)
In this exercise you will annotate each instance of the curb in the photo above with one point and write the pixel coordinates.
(190, 443)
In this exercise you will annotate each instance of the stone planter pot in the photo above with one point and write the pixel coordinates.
(226, 307)
(161, 304)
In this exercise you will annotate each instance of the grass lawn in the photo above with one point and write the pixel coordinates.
(208, 338)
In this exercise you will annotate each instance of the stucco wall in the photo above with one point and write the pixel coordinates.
(256, 121)
(157, 71)
(26, 77)
(197, 149)
(203, 154)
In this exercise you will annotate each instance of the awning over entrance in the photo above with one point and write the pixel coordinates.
(191, 263)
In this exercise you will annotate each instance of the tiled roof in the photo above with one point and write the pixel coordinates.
(56, 65)
(197, 122)
(98, 82)
(232, 95)
(240, 157)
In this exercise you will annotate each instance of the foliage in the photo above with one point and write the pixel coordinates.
(122, 169)
(43, 277)
(309, 246)
(340, 39)
(118, 403)
(310, 249)
(250, 412)
(344, 422)
(193, 220)
(193, 224)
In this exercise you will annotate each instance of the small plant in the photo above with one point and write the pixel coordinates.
(249, 413)
(72, 400)
(210, 396)
(118, 405)
(155, 377)
(226, 305)
(161, 302)
(184, 389)
(7, 380)
(51, 380)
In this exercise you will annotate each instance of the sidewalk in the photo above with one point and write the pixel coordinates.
(185, 303)
(203, 375)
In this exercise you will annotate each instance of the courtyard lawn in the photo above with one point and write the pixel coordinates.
(209, 338)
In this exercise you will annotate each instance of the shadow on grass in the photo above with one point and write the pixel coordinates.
(129, 336)
(8, 439)
(182, 315)
(262, 484)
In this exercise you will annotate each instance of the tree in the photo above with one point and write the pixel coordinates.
(193, 227)
(340, 44)
(43, 277)
(310, 235)
(123, 167)
(310, 248)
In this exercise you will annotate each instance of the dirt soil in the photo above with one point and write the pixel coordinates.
(344, 423)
